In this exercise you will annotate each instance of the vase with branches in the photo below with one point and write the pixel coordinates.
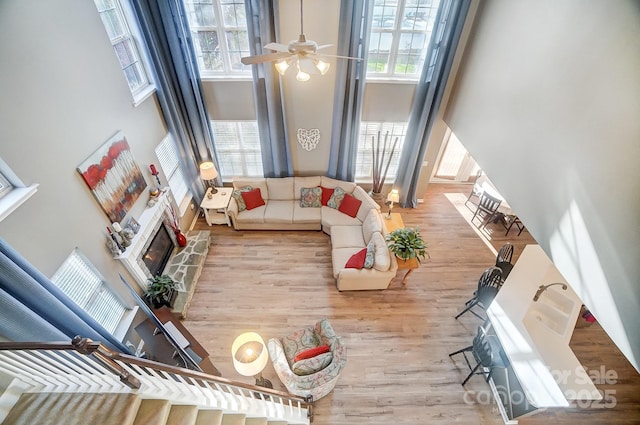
(382, 151)
(175, 225)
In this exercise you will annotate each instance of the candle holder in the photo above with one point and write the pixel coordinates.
(155, 173)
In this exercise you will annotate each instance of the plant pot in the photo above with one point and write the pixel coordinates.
(407, 264)
(377, 196)
(167, 300)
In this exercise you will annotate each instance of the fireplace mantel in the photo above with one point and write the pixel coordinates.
(150, 220)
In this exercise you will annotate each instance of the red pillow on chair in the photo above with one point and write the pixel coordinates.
(253, 198)
(311, 352)
(350, 205)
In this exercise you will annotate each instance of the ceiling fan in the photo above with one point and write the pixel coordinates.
(302, 53)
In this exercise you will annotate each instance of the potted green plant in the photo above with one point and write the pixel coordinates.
(407, 243)
(161, 290)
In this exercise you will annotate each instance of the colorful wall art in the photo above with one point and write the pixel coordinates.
(113, 177)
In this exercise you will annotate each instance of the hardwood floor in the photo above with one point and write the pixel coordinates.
(398, 369)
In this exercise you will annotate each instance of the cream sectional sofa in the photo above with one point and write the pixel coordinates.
(283, 211)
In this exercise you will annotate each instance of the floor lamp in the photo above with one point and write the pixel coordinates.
(250, 357)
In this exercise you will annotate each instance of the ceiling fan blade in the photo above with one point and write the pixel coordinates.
(277, 47)
(337, 56)
(269, 57)
(324, 46)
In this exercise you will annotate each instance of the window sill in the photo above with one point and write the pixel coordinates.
(390, 80)
(125, 323)
(15, 198)
(139, 98)
(227, 78)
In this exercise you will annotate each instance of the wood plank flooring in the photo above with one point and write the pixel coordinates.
(398, 369)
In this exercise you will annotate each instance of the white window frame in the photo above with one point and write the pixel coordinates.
(13, 193)
(167, 153)
(364, 159)
(396, 31)
(222, 30)
(239, 148)
(123, 13)
(85, 286)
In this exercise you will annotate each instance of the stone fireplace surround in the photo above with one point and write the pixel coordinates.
(184, 265)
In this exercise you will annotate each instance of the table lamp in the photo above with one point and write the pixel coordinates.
(392, 197)
(250, 357)
(208, 172)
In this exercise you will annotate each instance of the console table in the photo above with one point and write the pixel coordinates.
(391, 224)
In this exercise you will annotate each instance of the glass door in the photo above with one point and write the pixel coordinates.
(455, 164)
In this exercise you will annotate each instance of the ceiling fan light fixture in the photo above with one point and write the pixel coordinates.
(302, 76)
(282, 66)
(322, 66)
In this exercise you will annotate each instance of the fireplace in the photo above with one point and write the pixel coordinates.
(158, 252)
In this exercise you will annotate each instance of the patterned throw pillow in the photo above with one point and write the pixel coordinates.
(311, 197)
(298, 341)
(312, 365)
(237, 195)
(336, 198)
(370, 257)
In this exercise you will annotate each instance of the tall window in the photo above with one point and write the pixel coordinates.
(238, 147)
(400, 33)
(113, 16)
(368, 141)
(167, 154)
(81, 282)
(220, 37)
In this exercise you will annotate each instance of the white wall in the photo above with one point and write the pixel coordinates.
(547, 102)
(63, 96)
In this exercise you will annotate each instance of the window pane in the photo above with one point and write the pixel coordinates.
(233, 14)
(134, 76)
(379, 51)
(124, 53)
(208, 46)
(238, 45)
(203, 14)
(238, 147)
(167, 154)
(369, 132)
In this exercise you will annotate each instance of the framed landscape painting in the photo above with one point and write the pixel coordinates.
(113, 177)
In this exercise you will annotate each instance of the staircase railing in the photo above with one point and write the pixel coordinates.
(87, 366)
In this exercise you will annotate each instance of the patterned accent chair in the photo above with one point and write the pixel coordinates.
(317, 375)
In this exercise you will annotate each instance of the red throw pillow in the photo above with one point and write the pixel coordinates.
(253, 198)
(311, 352)
(326, 194)
(350, 205)
(357, 260)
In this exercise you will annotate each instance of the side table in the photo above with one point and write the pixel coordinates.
(215, 208)
(391, 224)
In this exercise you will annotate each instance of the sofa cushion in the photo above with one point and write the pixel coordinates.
(332, 217)
(252, 198)
(339, 257)
(326, 195)
(300, 182)
(312, 365)
(356, 261)
(367, 202)
(347, 237)
(279, 212)
(349, 205)
(329, 182)
(310, 197)
(306, 215)
(371, 224)
(369, 259)
(281, 189)
(255, 182)
(382, 256)
(255, 215)
(336, 198)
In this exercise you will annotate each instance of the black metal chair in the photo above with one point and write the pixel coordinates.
(486, 351)
(508, 221)
(487, 209)
(503, 259)
(489, 284)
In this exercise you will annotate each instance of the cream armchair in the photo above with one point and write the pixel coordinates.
(315, 376)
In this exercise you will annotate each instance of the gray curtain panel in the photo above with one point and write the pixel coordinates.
(353, 41)
(262, 27)
(435, 72)
(166, 33)
(36, 308)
